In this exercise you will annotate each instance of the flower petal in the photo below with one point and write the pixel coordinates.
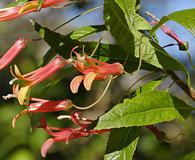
(46, 146)
(17, 73)
(22, 94)
(88, 80)
(31, 6)
(75, 83)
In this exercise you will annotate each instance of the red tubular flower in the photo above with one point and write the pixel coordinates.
(43, 106)
(66, 134)
(93, 70)
(49, 106)
(182, 44)
(31, 6)
(18, 46)
(35, 77)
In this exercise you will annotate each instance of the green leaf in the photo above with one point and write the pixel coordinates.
(63, 44)
(59, 43)
(40, 3)
(115, 20)
(134, 20)
(123, 26)
(145, 109)
(122, 143)
(86, 31)
(149, 86)
(185, 18)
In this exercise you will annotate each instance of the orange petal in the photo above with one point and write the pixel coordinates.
(88, 80)
(75, 83)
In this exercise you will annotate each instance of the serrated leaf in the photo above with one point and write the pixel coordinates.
(185, 18)
(122, 143)
(115, 20)
(63, 44)
(134, 20)
(145, 109)
(149, 86)
(122, 24)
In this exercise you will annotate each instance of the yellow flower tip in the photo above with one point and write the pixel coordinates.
(17, 71)
(22, 94)
(28, 7)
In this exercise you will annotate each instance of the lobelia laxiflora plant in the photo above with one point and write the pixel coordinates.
(136, 45)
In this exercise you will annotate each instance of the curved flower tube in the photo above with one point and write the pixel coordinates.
(17, 47)
(43, 106)
(31, 6)
(183, 46)
(66, 134)
(33, 78)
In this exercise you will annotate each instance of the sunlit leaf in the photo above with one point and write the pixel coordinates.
(122, 25)
(63, 44)
(145, 109)
(122, 143)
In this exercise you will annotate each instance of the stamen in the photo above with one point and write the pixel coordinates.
(61, 117)
(97, 101)
(12, 81)
(9, 96)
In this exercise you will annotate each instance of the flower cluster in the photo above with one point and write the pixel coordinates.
(66, 134)
(91, 69)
